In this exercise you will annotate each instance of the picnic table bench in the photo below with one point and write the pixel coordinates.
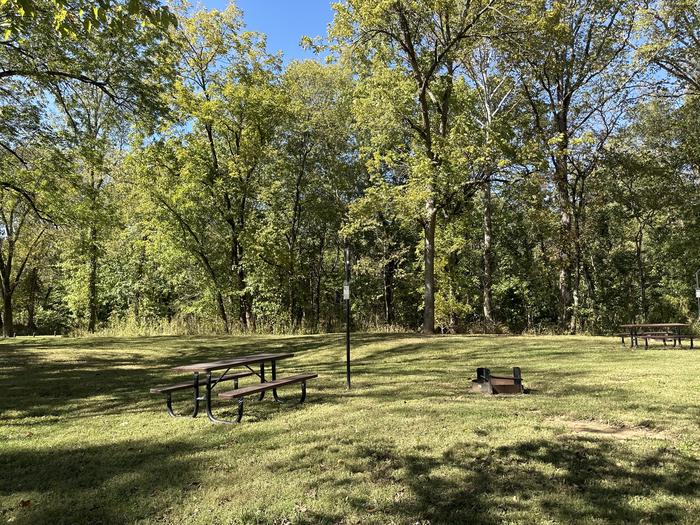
(169, 389)
(238, 392)
(656, 332)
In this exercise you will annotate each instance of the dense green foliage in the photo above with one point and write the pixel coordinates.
(493, 165)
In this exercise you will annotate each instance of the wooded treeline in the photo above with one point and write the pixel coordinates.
(493, 165)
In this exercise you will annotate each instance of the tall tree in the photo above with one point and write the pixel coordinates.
(22, 229)
(496, 96)
(407, 54)
(572, 59)
(95, 126)
(226, 94)
(309, 180)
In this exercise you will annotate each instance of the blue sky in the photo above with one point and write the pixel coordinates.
(283, 21)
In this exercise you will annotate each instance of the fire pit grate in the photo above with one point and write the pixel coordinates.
(485, 383)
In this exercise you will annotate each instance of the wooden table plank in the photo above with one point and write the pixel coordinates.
(251, 359)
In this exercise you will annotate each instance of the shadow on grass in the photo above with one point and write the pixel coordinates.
(566, 480)
(111, 483)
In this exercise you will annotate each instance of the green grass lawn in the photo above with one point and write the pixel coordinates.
(606, 435)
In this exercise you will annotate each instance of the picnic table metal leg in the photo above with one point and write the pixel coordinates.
(171, 412)
(196, 395)
(211, 416)
(195, 410)
(303, 392)
(273, 373)
(274, 376)
(273, 365)
(262, 380)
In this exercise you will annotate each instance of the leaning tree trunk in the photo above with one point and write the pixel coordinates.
(489, 318)
(222, 310)
(429, 264)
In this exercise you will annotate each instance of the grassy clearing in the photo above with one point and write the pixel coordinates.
(607, 435)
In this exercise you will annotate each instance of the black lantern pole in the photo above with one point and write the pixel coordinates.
(346, 298)
(697, 290)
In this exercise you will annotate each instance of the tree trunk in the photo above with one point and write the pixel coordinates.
(222, 310)
(489, 319)
(578, 212)
(243, 310)
(319, 274)
(389, 271)
(219, 297)
(292, 242)
(139, 276)
(576, 322)
(8, 326)
(429, 263)
(239, 279)
(565, 297)
(249, 314)
(644, 307)
(92, 282)
(31, 299)
(561, 181)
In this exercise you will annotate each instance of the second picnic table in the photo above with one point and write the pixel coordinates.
(670, 331)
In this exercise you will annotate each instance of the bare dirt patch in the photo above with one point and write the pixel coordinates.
(597, 429)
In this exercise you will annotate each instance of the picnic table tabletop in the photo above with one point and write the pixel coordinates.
(654, 325)
(234, 361)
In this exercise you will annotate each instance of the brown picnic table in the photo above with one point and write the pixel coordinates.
(660, 331)
(209, 369)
